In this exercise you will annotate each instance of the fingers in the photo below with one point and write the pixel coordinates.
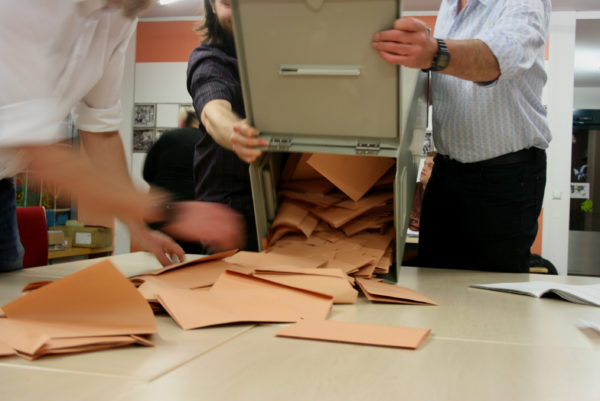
(408, 44)
(174, 252)
(163, 247)
(244, 142)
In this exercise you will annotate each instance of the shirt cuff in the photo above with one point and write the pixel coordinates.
(97, 120)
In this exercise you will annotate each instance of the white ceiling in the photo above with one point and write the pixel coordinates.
(587, 53)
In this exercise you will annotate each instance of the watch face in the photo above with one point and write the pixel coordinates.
(443, 60)
(442, 57)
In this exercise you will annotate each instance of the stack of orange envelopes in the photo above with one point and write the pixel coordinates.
(94, 309)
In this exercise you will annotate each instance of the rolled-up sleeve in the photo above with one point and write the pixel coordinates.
(518, 35)
(100, 109)
(208, 80)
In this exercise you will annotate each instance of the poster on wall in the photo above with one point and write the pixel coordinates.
(580, 190)
(144, 115)
(143, 138)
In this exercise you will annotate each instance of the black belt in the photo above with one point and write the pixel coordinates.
(509, 158)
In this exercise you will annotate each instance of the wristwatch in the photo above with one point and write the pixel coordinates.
(441, 59)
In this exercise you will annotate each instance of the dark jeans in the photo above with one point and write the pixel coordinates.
(11, 250)
(482, 216)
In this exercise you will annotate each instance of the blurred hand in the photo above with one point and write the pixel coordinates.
(162, 246)
(409, 43)
(244, 141)
(216, 226)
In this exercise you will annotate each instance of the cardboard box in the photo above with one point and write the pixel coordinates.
(56, 237)
(87, 236)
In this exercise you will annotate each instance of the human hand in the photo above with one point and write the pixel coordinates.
(162, 246)
(244, 141)
(409, 43)
(215, 225)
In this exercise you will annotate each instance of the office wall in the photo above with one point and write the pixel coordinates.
(586, 98)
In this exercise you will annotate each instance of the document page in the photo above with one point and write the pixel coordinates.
(581, 294)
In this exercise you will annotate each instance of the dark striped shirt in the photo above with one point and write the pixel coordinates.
(220, 176)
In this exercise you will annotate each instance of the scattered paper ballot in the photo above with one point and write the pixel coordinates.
(580, 294)
(357, 333)
(332, 282)
(379, 291)
(95, 308)
(237, 297)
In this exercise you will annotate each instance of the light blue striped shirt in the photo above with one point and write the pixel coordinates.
(472, 122)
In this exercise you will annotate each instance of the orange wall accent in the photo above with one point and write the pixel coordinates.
(165, 41)
(537, 243)
(429, 20)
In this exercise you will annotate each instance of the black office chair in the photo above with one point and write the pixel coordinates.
(537, 264)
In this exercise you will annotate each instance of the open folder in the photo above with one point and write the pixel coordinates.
(92, 309)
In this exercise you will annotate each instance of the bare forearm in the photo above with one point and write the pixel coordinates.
(410, 44)
(471, 60)
(101, 190)
(219, 119)
(106, 153)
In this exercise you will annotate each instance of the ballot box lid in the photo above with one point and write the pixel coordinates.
(310, 76)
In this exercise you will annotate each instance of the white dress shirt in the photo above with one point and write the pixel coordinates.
(58, 56)
(473, 122)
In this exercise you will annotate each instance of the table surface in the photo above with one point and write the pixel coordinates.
(484, 345)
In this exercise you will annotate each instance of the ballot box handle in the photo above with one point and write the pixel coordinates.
(319, 70)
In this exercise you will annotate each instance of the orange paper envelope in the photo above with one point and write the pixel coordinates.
(5, 350)
(353, 175)
(192, 275)
(262, 259)
(236, 297)
(316, 186)
(99, 298)
(379, 291)
(338, 287)
(214, 256)
(313, 198)
(295, 215)
(338, 216)
(357, 333)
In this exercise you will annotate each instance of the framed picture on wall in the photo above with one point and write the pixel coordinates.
(144, 115)
(143, 138)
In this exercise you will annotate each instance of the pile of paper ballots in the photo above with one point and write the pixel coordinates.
(337, 206)
(249, 287)
(94, 309)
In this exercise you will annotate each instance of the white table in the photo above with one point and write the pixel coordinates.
(484, 346)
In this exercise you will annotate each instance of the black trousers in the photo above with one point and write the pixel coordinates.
(482, 216)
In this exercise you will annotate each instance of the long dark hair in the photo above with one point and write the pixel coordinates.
(210, 30)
